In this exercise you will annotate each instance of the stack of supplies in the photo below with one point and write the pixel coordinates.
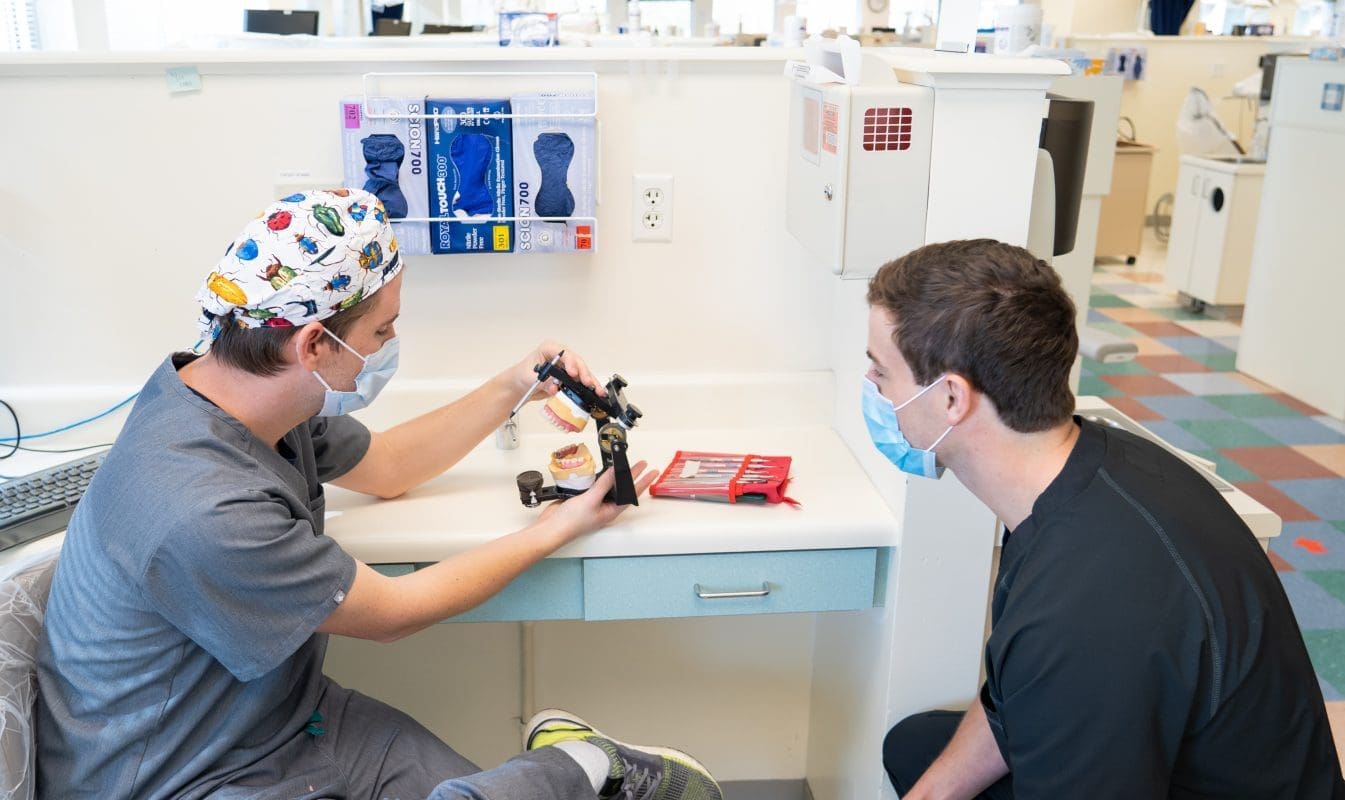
(450, 160)
(470, 176)
(386, 157)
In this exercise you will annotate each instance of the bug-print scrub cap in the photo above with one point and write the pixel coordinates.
(304, 258)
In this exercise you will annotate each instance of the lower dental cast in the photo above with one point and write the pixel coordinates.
(572, 467)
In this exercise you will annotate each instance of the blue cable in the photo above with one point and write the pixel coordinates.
(65, 428)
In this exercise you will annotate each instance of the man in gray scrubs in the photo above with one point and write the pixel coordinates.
(189, 613)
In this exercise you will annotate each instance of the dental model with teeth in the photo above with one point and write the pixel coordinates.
(562, 411)
(572, 467)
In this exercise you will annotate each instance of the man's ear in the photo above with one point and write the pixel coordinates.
(959, 396)
(306, 345)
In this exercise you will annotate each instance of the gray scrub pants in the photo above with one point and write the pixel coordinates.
(372, 751)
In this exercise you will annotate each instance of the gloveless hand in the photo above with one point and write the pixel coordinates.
(524, 373)
(590, 511)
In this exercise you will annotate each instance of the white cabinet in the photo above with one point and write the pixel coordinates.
(1293, 329)
(1213, 225)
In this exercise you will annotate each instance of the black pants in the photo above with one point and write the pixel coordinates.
(913, 744)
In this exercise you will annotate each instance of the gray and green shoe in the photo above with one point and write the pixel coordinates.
(637, 773)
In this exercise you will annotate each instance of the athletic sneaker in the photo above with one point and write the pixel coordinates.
(637, 773)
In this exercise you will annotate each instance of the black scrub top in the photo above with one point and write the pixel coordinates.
(1142, 645)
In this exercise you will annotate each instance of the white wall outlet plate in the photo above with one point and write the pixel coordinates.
(292, 181)
(652, 208)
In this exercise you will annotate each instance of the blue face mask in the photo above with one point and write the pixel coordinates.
(377, 371)
(880, 415)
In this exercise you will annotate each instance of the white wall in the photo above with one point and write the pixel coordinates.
(132, 194)
(1078, 17)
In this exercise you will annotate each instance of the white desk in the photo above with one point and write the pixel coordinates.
(840, 508)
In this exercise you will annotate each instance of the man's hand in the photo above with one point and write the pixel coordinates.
(524, 372)
(590, 511)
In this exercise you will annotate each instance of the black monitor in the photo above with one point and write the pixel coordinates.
(433, 28)
(1267, 63)
(1064, 135)
(391, 27)
(283, 22)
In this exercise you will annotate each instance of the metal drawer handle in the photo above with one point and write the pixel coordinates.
(765, 590)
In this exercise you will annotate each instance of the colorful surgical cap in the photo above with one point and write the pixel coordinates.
(304, 258)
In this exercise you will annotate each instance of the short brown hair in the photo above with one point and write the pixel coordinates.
(260, 351)
(992, 313)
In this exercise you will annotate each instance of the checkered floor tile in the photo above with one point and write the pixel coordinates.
(1286, 454)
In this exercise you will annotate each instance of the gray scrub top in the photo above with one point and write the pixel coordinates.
(180, 638)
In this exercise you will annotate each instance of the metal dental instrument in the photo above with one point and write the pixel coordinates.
(535, 384)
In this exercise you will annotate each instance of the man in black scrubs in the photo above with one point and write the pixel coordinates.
(1142, 646)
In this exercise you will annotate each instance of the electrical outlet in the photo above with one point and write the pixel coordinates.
(651, 208)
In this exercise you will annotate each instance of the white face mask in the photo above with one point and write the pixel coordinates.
(378, 369)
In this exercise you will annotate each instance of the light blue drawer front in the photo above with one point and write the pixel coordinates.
(552, 589)
(665, 586)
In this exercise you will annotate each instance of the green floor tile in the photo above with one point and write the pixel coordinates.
(1119, 368)
(1228, 470)
(1332, 580)
(1251, 405)
(1117, 329)
(1177, 313)
(1108, 301)
(1219, 362)
(1223, 433)
(1327, 650)
(1098, 387)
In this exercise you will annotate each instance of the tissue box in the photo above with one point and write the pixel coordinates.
(528, 29)
(413, 238)
(469, 176)
(554, 173)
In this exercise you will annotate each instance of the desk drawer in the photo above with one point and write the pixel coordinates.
(551, 589)
(729, 583)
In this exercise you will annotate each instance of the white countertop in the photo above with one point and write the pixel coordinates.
(477, 501)
(1149, 38)
(1229, 165)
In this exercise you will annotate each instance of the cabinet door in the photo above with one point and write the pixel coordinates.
(1185, 223)
(1216, 204)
